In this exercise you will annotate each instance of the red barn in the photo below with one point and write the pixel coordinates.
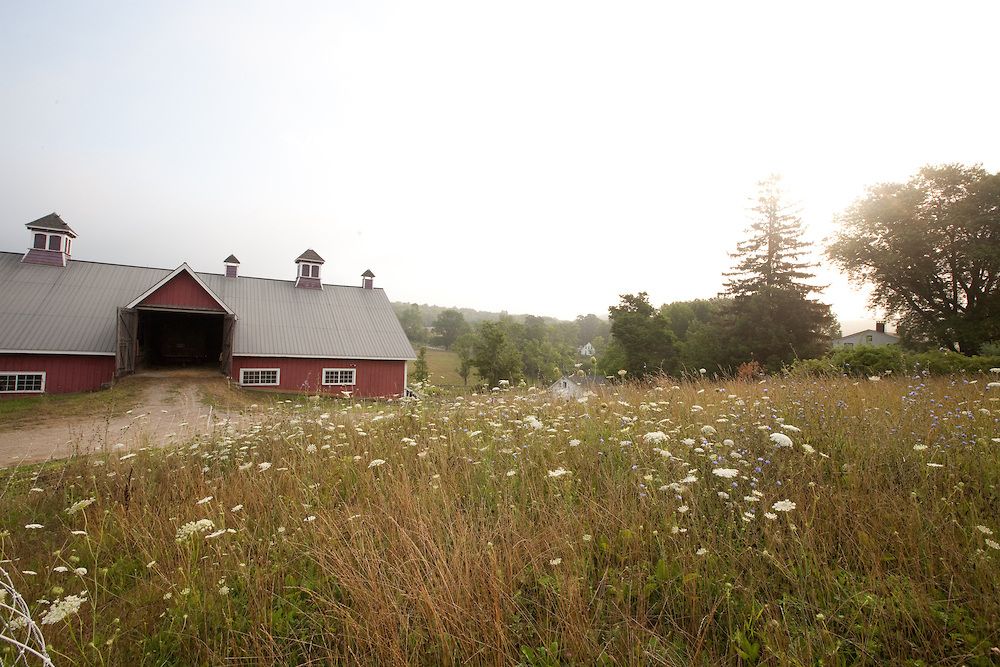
(69, 325)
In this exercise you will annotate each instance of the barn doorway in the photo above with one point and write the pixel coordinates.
(172, 339)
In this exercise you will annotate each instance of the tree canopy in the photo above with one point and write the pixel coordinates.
(930, 248)
(449, 325)
(643, 333)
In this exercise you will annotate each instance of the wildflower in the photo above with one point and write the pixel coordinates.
(376, 463)
(781, 440)
(63, 608)
(194, 527)
(236, 508)
(701, 552)
(984, 530)
(559, 472)
(587, 538)
(783, 506)
(555, 561)
(204, 500)
(34, 526)
(215, 534)
(60, 568)
(511, 473)
(728, 473)
(789, 427)
(79, 505)
(622, 373)
(935, 465)
(708, 430)
(770, 515)
(310, 518)
(263, 466)
(683, 509)
(808, 449)
(80, 572)
(919, 448)
(992, 544)
(574, 443)
(654, 438)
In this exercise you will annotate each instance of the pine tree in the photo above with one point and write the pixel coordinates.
(771, 318)
(771, 257)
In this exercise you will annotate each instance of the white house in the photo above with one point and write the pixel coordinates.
(875, 337)
(576, 386)
(587, 350)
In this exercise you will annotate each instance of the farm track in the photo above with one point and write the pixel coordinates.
(170, 411)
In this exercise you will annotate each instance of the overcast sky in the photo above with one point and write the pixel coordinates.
(537, 157)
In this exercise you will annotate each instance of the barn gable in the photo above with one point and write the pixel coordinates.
(182, 289)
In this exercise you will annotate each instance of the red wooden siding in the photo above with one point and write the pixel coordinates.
(182, 291)
(63, 372)
(374, 378)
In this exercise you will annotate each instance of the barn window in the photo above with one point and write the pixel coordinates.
(339, 376)
(27, 383)
(868, 338)
(39, 241)
(315, 271)
(55, 242)
(260, 377)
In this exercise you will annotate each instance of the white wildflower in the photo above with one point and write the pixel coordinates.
(559, 472)
(654, 438)
(79, 505)
(781, 440)
(376, 463)
(63, 608)
(728, 473)
(204, 500)
(783, 506)
(194, 527)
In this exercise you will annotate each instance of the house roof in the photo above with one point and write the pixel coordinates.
(866, 331)
(310, 255)
(53, 223)
(231, 260)
(74, 309)
(368, 274)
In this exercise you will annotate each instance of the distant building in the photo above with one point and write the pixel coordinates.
(588, 350)
(576, 386)
(68, 325)
(875, 337)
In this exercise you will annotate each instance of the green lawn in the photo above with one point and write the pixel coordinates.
(443, 368)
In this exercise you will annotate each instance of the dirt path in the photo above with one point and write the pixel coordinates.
(170, 411)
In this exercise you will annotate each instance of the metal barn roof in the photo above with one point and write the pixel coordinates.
(73, 309)
(53, 223)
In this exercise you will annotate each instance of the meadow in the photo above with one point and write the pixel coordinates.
(785, 522)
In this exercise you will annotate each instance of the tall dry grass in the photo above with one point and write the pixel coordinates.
(469, 546)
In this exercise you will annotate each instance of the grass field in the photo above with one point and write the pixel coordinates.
(443, 368)
(780, 523)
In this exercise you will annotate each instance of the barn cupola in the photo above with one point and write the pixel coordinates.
(51, 241)
(307, 270)
(232, 266)
(368, 279)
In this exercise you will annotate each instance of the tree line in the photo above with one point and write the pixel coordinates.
(929, 248)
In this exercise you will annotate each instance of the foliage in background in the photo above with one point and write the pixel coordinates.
(868, 361)
(931, 250)
(644, 336)
(448, 326)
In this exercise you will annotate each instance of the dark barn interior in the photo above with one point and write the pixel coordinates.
(179, 339)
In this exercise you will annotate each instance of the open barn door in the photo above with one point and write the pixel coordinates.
(125, 349)
(228, 332)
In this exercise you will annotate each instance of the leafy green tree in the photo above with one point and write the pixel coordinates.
(771, 318)
(495, 354)
(591, 327)
(449, 325)
(464, 347)
(420, 369)
(413, 323)
(930, 248)
(648, 344)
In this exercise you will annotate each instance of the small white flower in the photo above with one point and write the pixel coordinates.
(992, 544)
(783, 506)
(263, 466)
(654, 438)
(555, 561)
(559, 472)
(728, 473)
(708, 430)
(63, 608)
(236, 508)
(376, 463)
(770, 515)
(34, 526)
(781, 440)
(79, 505)
(919, 448)
(204, 500)
(701, 552)
(984, 530)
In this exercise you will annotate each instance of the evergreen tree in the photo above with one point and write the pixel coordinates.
(420, 369)
(771, 318)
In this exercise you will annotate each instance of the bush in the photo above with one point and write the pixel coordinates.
(866, 361)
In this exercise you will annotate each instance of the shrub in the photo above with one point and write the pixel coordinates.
(867, 361)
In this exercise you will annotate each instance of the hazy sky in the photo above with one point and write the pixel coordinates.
(539, 157)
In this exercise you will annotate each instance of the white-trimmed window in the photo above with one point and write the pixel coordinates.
(260, 377)
(31, 382)
(339, 377)
(309, 270)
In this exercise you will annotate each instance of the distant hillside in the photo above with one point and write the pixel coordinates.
(429, 313)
